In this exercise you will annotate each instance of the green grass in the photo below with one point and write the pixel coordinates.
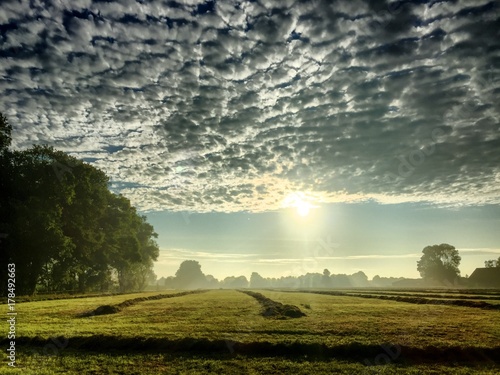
(228, 314)
(232, 316)
(71, 362)
(372, 321)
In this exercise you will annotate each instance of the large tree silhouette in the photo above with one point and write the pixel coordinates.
(62, 226)
(440, 263)
(189, 275)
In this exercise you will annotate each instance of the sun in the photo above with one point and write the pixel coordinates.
(300, 203)
(303, 208)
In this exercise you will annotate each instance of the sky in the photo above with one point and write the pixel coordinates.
(281, 137)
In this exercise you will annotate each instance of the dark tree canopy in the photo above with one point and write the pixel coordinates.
(5, 133)
(440, 263)
(492, 263)
(63, 228)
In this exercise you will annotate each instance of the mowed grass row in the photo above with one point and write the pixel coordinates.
(416, 298)
(66, 296)
(441, 291)
(234, 316)
(435, 294)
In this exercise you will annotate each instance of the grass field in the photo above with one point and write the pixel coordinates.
(227, 331)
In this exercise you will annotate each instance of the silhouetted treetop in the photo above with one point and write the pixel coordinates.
(440, 263)
(5, 133)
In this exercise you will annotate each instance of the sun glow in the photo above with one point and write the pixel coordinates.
(300, 202)
(303, 208)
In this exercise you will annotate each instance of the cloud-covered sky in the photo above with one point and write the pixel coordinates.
(232, 105)
(231, 111)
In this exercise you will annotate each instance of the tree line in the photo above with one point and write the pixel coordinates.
(64, 229)
(438, 265)
(190, 276)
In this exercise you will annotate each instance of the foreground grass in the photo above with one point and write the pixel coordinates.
(73, 362)
(223, 332)
(230, 315)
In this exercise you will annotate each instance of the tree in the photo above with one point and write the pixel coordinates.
(211, 282)
(82, 222)
(233, 282)
(341, 281)
(129, 245)
(31, 213)
(440, 263)
(492, 263)
(189, 275)
(5, 133)
(326, 281)
(63, 228)
(359, 279)
(136, 277)
(257, 281)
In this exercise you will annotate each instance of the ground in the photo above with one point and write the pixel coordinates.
(231, 332)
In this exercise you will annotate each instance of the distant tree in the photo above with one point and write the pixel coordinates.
(492, 263)
(232, 282)
(257, 281)
(168, 282)
(359, 279)
(384, 281)
(189, 275)
(440, 263)
(341, 281)
(241, 282)
(326, 281)
(311, 280)
(211, 282)
(288, 282)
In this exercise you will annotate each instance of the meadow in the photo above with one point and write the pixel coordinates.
(241, 332)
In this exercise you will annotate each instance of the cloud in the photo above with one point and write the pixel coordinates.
(231, 106)
(325, 258)
(174, 256)
(481, 251)
(177, 256)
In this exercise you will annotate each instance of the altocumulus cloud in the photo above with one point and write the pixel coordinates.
(232, 105)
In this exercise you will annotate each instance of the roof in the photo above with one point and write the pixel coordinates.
(487, 277)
